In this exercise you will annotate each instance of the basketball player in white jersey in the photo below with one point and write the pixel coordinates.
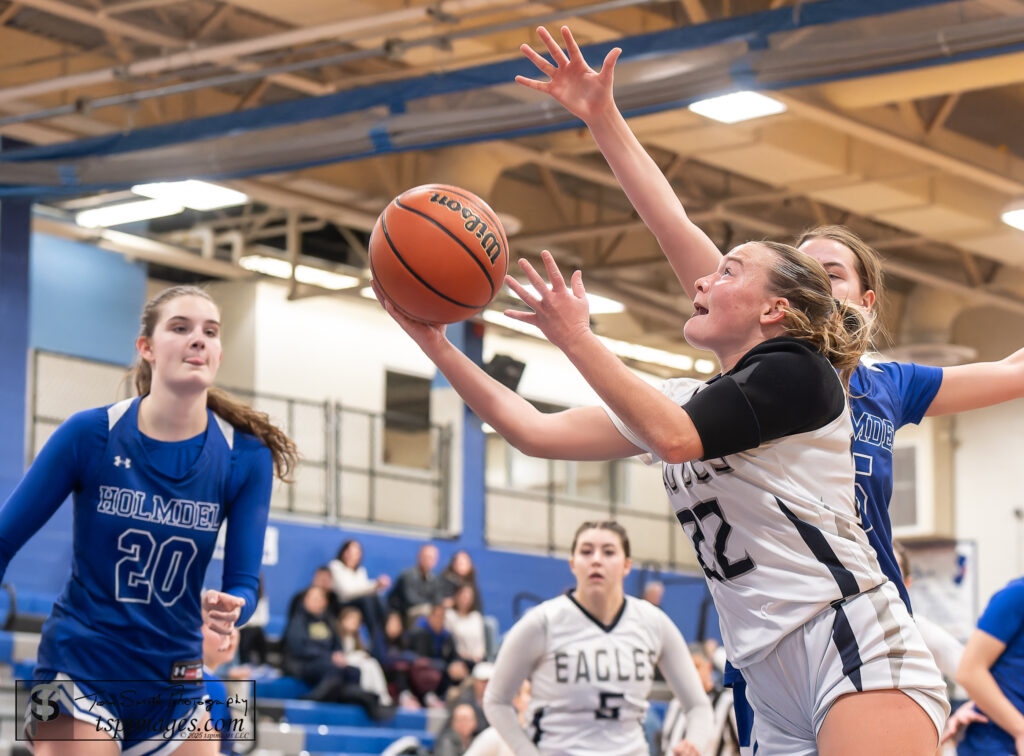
(758, 467)
(590, 656)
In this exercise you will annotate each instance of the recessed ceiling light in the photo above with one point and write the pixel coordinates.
(738, 106)
(1013, 214)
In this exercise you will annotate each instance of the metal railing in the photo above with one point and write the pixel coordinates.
(352, 467)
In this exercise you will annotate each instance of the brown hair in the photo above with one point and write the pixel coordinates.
(241, 416)
(868, 265)
(603, 525)
(837, 329)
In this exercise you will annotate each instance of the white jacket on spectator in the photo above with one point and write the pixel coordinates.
(350, 584)
(469, 634)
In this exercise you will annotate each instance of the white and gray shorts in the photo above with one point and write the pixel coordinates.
(869, 642)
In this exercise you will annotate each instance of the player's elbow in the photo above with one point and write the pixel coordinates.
(675, 450)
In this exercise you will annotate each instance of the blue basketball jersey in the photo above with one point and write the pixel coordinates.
(885, 396)
(1003, 619)
(145, 536)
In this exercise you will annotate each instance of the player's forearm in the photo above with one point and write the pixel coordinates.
(494, 403)
(688, 249)
(652, 416)
(503, 718)
(990, 699)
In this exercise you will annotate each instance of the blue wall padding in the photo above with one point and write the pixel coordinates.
(86, 302)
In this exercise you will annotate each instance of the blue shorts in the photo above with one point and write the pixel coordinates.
(144, 718)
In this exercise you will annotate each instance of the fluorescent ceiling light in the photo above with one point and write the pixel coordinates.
(704, 366)
(198, 195)
(268, 266)
(598, 305)
(326, 279)
(737, 106)
(367, 293)
(1013, 214)
(307, 274)
(126, 212)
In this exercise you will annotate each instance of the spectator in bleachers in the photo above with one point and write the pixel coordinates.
(653, 591)
(466, 625)
(471, 691)
(417, 588)
(434, 645)
(252, 643)
(312, 652)
(398, 662)
(459, 572)
(214, 656)
(489, 742)
(371, 674)
(321, 579)
(456, 740)
(353, 587)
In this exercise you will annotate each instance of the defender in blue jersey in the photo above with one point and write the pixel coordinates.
(153, 479)
(992, 671)
(882, 398)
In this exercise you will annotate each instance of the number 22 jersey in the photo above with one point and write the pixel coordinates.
(770, 510)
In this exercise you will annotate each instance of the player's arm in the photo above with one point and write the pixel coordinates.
(982, 384)
(521, 651)
(974, 674)
(583, 433)
(73, 448)
(587, 94)
(676, 664)
(248, 510)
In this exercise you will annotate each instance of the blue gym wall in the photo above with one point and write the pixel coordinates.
(84, 301)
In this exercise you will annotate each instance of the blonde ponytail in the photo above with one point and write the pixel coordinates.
(241, 416)
(838, 330)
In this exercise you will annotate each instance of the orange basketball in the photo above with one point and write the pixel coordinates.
(439, 253)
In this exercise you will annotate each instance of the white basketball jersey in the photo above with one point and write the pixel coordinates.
(589, 690)
(776, 529)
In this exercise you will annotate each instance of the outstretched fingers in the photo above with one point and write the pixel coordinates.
(554, 274)
(557, 54)
(608, 66)
(529, 299)
(538, 60)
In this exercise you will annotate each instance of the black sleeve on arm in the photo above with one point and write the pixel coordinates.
(779, 388)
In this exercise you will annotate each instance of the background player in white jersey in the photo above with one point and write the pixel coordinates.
(590, 656)
(153, 480)
(775, 432)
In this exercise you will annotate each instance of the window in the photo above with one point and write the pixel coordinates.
(407, 438)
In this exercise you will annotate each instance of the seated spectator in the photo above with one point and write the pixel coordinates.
(321, 579)
(371, 675)
(398, 662)
(489, 742)
(435, 648)
(653, 592)
(456, 740)
(252, 643)
(471, 691)
(417, 588)
(312, 652)
(353, 587)
(216, 654)
(466, 625)
(459, 572)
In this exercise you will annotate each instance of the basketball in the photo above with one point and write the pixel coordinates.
(438, 253)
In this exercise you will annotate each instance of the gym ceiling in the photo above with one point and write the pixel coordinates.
(903, 121)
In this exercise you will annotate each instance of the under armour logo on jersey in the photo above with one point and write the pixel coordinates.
(126, 461)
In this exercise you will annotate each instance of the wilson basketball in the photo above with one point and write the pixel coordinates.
(439, 253)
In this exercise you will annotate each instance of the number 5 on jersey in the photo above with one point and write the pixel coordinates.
(140, 575)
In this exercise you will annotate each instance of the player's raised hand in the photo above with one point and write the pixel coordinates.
(424, 334)
(220, 612)
(561, 312)
(576, 86)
